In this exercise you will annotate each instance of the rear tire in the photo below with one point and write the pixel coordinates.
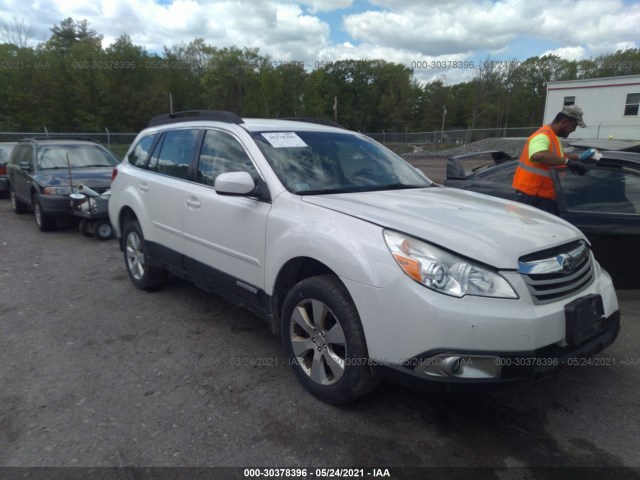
(17, 206)
(324, 340)
(136, 259)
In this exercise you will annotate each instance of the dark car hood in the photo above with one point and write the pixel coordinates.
(91, 177)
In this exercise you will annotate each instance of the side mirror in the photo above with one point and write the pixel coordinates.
(455, 171)
(241, 184)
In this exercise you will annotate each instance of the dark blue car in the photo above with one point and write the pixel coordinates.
(42, 173)
(5, 154)
(604, 203)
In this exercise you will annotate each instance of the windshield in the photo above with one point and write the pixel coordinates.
(329, 162)
(79, 156)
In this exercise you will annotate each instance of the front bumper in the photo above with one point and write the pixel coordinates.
(508, 366)
(56, 205)
(412, 330)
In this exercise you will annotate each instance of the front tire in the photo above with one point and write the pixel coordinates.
(324, 340)
(46, 223)
(85, 227)
(136, 259)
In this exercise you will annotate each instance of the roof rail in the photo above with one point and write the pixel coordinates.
(319, 121)
(187, 115)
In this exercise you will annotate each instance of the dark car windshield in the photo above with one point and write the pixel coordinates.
(330, 162)
(76, 156)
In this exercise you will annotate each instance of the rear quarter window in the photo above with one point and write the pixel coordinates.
(140, 153)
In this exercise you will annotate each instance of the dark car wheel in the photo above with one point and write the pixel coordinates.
(46, 223)
(136, 259)
(102, 229)
(17, 206)
(323, 337)
(86, 227)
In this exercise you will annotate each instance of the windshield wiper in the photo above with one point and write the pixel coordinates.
(361, 188)
(400, 186)
(326, 191)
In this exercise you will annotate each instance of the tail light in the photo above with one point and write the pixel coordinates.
(3, 169)
(114, 173)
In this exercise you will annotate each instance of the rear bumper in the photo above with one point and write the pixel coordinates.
(4, 184)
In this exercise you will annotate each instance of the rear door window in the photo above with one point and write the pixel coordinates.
(175, 154)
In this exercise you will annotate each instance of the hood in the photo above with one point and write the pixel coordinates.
(486, 229)
(91, 177)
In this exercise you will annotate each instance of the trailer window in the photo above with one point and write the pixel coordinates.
(633, 102)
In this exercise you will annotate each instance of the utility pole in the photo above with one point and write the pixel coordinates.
(335, 109)
(444, 114)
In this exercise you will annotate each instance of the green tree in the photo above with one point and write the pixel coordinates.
(231, 80)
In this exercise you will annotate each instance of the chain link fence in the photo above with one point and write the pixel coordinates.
(461, 137)
(118, 143)
(465, 136)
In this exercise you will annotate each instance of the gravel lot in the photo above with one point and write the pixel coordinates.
(433, 163)
(95, 373)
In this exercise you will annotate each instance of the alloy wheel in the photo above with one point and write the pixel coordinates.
(38, 213)
(136, 262)
(318, 342)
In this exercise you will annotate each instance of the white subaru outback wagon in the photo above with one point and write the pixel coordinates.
(364, 267)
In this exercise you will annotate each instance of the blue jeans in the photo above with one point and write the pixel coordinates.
(545, 204)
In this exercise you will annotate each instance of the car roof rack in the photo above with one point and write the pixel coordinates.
(319, 121)
(53, 136)
(189, 115)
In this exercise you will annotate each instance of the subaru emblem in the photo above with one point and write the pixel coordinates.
(567, 262)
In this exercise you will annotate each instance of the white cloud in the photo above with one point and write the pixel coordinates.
(446, 27)
(316, 6)
(405, 32)
(567, 53)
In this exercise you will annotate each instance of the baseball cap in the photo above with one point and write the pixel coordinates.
(574, 112)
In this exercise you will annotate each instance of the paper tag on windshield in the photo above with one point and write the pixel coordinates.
(284, 139)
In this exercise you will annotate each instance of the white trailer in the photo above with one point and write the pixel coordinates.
(611, 105)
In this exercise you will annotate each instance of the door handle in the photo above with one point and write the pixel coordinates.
(143, 187)
(192, 202)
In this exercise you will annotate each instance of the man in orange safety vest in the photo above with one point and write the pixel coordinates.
(543, 151)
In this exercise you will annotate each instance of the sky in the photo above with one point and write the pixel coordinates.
(423, 35)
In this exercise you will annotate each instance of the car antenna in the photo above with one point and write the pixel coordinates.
(69, 168)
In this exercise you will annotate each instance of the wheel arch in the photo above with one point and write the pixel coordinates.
(293, 271)
(33, 191)
(126, 215)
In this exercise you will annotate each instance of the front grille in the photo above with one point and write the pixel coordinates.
(557, 273)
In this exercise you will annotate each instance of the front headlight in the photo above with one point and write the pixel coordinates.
(56, 190)
(443, 272)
